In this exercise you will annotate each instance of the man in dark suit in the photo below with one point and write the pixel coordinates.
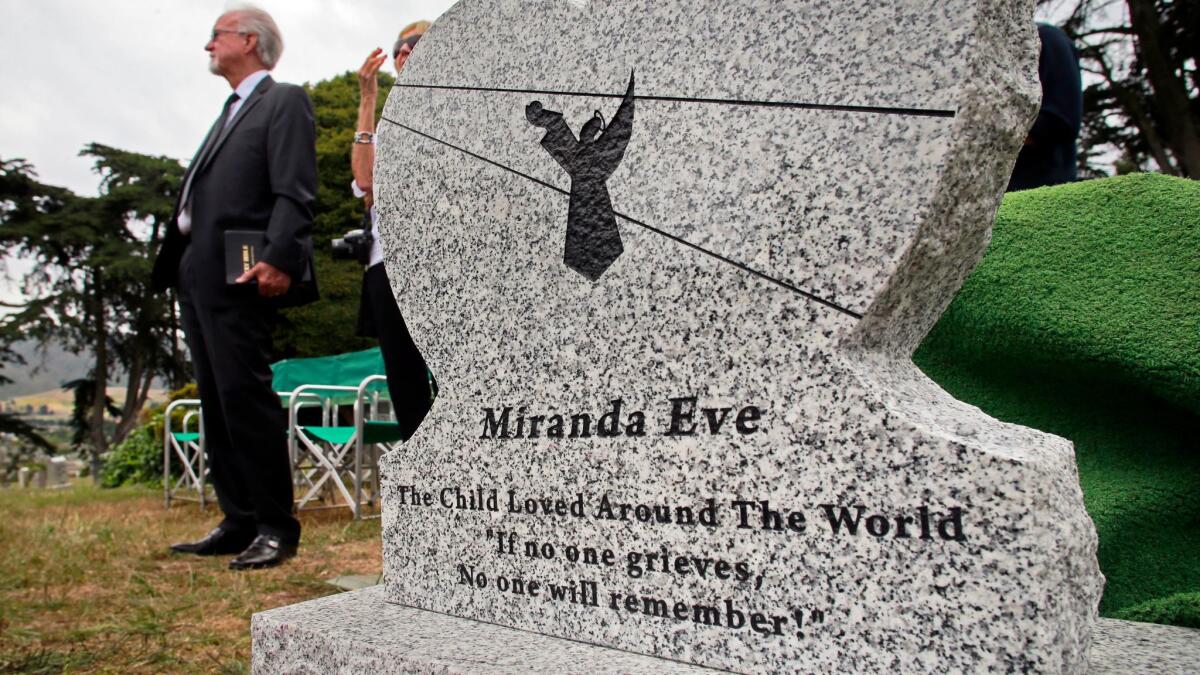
(256, 170)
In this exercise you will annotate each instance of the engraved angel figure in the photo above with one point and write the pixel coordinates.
(593, 241)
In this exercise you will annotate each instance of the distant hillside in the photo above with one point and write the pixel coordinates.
(57, 404)
(42, 371)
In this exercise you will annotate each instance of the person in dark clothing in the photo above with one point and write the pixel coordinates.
(256, 170)
(409, 382)
(1048, 156)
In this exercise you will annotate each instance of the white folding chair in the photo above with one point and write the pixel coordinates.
(187, 447)
(331, 459)
(376, 435)
(322, 454)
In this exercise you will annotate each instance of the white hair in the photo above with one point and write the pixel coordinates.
(252, 19)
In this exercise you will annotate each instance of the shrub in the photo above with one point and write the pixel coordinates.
(1082, 321)
(139, 458)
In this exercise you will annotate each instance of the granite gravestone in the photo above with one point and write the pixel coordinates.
(669, 262)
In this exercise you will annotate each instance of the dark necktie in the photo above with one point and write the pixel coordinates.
(209, 143)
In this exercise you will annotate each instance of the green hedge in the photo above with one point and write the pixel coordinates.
(1083, 320)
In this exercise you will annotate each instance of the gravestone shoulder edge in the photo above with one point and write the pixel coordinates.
(901, 390)
(997, 105)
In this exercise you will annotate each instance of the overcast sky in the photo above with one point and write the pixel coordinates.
(133, 73)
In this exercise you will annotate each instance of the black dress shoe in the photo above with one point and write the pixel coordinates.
(218, 542)
(264, 551)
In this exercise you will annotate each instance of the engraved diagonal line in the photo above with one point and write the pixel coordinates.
(799, 105)
(762, 275)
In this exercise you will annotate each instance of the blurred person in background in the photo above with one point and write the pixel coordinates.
(1049, 155)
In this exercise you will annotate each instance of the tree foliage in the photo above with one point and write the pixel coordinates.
(89, 287)
(328, 325)
(1142, 97)
(82, 391)
(138, 460)
(27, 436)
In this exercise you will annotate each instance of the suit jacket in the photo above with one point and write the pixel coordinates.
(261, 175)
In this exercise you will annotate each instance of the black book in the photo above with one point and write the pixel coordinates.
(243, 248)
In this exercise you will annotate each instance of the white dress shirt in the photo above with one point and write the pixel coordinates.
(243, 91)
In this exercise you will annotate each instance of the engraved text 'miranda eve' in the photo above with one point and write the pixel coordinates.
(686, 417)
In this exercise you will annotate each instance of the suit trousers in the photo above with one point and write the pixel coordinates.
(407, 373)
(245, 427)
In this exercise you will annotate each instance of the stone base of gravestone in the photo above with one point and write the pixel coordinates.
(360, 632)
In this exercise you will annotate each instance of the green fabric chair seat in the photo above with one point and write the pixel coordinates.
(381, 432)
(186, 437)
(373, 432)
(335, 435)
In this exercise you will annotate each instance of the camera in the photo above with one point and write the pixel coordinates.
(354, 245)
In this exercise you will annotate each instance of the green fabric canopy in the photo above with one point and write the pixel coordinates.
(348, 370)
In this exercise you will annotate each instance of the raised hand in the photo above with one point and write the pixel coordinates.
(368, 81)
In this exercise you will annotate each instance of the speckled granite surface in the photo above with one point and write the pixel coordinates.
(359, 632)
(749, 471)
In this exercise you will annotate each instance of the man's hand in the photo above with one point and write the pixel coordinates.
(272, 281)
(368, 82)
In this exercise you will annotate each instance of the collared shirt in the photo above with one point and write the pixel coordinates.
(243, 90)
(376, 249)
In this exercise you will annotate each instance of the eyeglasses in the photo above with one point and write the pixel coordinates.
(410, 42)
(218, 31)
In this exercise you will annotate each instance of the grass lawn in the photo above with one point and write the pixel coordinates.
(87, 582)
(1083, 320)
